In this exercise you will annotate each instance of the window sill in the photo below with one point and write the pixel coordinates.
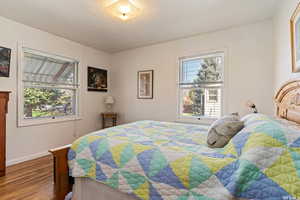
(38, 122)
(194, 120)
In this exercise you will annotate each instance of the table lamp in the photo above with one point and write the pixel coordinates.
(109, 101)
(251, 106)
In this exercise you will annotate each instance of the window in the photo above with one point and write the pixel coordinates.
(200, 86)
(48, 88)
(213, 95)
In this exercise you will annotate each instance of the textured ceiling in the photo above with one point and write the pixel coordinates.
(87, 22)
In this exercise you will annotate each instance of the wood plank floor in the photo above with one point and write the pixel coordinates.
(31, 180)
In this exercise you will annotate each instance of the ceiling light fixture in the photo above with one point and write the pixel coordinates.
(124, 9)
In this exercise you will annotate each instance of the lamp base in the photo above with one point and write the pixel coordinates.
(109, 108)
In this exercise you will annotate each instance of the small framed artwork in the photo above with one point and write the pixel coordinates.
(295, 39)
(5, 54)
(145, 84)
(97, 79)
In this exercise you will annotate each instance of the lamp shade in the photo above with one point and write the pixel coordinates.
(251, 106)
(109, 100)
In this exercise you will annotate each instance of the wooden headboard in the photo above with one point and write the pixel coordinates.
(287, 101)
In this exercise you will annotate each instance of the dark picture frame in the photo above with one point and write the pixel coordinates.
(145, 84)
(295, 42)
(97, 79)
(5, 56)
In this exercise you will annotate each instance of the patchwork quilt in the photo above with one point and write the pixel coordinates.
(169, 161)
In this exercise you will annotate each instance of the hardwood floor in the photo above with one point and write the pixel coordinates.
(32, 180)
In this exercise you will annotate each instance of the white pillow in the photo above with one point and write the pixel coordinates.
(223, 129)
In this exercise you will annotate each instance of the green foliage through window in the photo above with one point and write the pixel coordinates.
(47, 102)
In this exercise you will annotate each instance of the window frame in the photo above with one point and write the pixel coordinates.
(22, 121)
(201, 119)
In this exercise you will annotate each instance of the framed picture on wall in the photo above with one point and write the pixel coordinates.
(97, 79)
(5, 54)
(145, 84)
(295, 39)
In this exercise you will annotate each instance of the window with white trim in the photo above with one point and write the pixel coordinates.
(213, 95)
(48, 88)
(201, 82)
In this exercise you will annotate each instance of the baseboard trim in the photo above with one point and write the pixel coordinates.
(26, 158)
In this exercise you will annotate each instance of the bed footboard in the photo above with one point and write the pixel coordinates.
(62, 181)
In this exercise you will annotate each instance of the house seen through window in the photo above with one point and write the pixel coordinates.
(213, 95)
(50, 86)
(200, 85)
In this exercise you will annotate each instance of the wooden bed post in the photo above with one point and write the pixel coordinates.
(62, 181)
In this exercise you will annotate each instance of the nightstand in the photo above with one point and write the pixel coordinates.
(109, 120)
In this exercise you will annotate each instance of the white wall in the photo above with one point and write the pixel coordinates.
(282, 44)
(26, 142)
(249, 71)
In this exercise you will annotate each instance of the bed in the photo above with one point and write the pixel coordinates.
(160, 160)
